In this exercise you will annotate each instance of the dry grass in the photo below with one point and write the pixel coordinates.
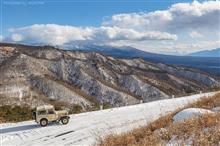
(143, 136)
(200, 131)
(203, 131)
(208, 103)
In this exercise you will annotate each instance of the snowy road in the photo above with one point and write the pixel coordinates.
(86, 128)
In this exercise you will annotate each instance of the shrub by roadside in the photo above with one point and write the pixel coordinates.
(14, 113)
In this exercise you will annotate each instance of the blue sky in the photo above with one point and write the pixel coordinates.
(18, 13)
(98, 20)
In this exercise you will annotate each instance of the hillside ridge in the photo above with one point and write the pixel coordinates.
(90, 78)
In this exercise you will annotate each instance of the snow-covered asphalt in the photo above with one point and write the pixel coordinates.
(87, 128)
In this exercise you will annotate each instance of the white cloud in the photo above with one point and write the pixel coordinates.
(116, 33)
(170, 47)
(58, 34)
(17, 37)
(195, 34)
(48, 33)
(185, 48)
(193, 15)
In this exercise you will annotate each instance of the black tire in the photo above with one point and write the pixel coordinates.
(43, 122)
(64, 120)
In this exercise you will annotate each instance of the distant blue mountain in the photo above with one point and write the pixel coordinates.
(207, 53)
(209, 64)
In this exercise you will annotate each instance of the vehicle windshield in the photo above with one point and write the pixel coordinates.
(51, 112)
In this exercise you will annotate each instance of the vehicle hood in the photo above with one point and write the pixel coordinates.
(62, 112)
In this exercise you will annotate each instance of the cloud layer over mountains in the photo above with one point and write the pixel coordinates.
(182, 24)
(59, 35)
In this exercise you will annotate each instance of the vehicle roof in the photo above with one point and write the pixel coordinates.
(44, 107)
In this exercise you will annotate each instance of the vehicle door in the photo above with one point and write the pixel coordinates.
(51, 115)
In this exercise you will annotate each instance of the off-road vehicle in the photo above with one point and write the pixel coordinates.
(47, 113)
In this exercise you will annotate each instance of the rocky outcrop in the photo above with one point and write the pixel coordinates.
(145, 91)
(57, 91)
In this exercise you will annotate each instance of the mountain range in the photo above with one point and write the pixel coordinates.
(207, 53)
(35, 75)
(208, 63)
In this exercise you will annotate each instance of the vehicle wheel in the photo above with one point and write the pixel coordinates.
(64, 120)
(43, 122)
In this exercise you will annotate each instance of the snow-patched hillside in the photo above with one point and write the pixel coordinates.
(86, 128)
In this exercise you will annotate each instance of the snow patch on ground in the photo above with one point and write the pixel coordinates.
(190, 113)
(216, 109)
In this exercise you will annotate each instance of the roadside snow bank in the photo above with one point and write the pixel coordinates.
(190, 113)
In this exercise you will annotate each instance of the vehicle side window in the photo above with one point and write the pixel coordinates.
(42, 112)
(50, 111)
